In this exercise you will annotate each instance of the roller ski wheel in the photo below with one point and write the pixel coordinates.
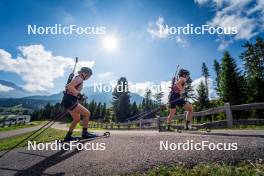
(208, 130)
(179, 130)
(106, 134)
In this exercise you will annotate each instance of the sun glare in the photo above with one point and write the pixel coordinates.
(110, 43)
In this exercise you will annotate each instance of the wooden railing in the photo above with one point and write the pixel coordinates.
(227, 109)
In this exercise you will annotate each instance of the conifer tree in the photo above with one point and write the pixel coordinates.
(134, 110)
(217, 73)
(231, 83)
(121, 100)
(205, 74)
(253, 60)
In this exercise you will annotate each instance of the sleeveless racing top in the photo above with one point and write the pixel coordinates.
(78, 84)
(176, 89)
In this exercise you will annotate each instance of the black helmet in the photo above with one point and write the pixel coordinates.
(184, 72)
(86, 70)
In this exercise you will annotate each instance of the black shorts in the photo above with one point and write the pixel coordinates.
(69, 101)
(175, 100)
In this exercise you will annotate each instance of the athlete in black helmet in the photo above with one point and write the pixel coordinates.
(71, 102)
(177, 98)
(183, 73)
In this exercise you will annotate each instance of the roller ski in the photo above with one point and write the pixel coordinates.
(189, 127)
(86, 136)
(170, 128)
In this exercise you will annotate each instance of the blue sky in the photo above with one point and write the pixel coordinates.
(139, 55)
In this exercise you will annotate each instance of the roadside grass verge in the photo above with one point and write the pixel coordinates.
(212, 169)
(30, 124)
(49, 135)
(249, 127)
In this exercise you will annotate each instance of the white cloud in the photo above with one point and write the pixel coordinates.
(68, 19)
(212, 92)
(106, 78)
(259, 6)
(224, 44)
(154, 29)
(106, 74)
(201, 2)
(246, 15)
(37, 67)
(246, 27)
(141, 88)
(90, 4)
(4, 88)
(181, 41)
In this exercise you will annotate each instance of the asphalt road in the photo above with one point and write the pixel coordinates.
(136, 151)
(5, 134)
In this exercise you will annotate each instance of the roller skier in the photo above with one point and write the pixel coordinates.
(71, 102)
(177, 98)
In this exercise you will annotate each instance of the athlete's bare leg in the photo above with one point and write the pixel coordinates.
(76, 119)
(75, 113)
(188, 107)
(171, 115)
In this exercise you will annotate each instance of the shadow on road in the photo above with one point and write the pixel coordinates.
(40, 167)
(232, 135)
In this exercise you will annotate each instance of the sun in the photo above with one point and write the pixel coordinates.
(110, 43)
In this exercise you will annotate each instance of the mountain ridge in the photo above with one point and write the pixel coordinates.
(20, 96)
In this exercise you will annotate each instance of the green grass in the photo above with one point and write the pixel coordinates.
(49, 135)
(243, 169)
(15, 127)
(249, 127)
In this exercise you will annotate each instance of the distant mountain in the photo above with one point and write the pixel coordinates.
(104, 97)
(24, 103)
(53, 97)
(16, 92)
(19, 96)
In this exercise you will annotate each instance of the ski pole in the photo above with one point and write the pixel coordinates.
(60, 117)
(61, 114)
(143, 114)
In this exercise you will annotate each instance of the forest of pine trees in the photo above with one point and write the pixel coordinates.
(232, 84)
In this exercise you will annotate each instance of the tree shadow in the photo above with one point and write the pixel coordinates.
(40, 167)
(227, 134)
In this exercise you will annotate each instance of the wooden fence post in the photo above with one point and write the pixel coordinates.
(229, 116)
(140, 123)
(158, 123)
